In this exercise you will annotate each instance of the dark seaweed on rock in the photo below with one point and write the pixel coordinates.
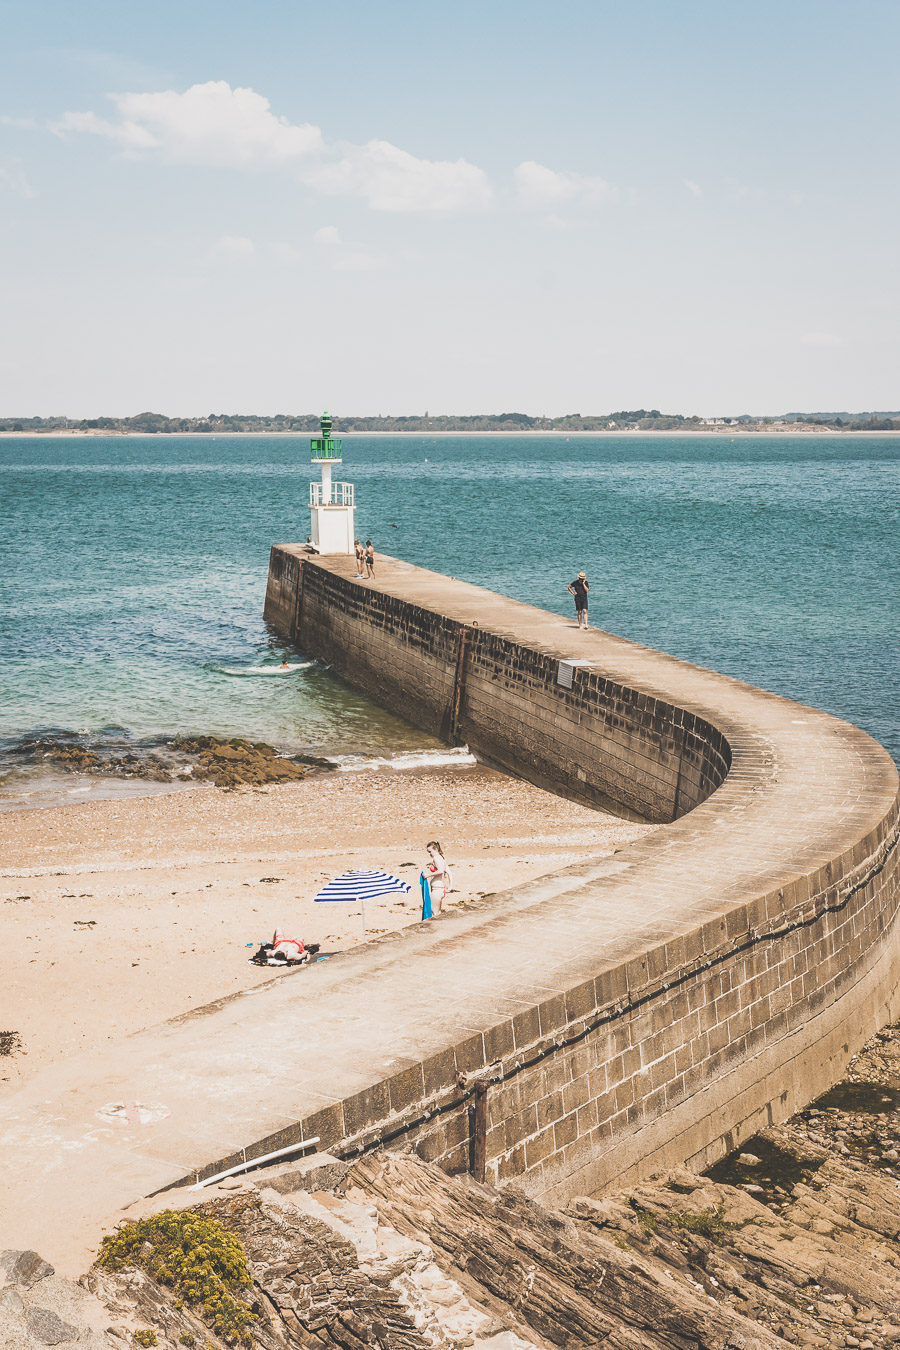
(10, 1042)
(237, 763)
(77, 758)
(226, 762)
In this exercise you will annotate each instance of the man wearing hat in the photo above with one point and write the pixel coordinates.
(579, 588)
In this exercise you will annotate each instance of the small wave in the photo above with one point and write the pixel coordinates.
(263, 670)
(406, 759)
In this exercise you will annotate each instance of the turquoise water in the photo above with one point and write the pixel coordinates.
(133, 570)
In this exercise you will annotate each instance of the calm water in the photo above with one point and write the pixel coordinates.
(132, 571)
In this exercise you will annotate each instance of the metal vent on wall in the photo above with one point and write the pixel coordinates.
(567, 670)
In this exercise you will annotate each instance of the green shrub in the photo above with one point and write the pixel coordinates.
(708, 1223)
(202, 1262)
(146, 1337)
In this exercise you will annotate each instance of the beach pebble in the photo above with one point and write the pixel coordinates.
(11, 1301)
(47, 1328)
(24, 1268)
(445, 1297)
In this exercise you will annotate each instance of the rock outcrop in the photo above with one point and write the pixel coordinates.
(794, 1240)
(38, 1308)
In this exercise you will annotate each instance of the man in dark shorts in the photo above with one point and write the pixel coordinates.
(579, 588)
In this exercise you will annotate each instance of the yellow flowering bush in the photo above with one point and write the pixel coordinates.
(201, 1261)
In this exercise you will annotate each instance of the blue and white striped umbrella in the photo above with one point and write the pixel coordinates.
(359, 886)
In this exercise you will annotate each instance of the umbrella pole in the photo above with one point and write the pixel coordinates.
(363, 907)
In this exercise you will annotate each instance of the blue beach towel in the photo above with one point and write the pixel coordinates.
(426, 896)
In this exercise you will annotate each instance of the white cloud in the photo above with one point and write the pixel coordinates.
(232, 248)
(12, 179)
(693, 188)
(285, 253)
(216, 125)
(345, 257)
(328, 234)
(541, 187)
(357, 260)
(735, 190)
(820, 340)
(208, 124)
(129, 134)
(393, 180)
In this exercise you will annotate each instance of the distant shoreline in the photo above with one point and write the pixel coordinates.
(728, 433)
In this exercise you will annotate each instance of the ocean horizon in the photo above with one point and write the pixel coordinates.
(134, 571)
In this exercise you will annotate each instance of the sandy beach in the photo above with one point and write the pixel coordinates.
(120, 914)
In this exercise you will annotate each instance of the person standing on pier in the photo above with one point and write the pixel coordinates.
(579, 588)
(360, 561)
(370, 558)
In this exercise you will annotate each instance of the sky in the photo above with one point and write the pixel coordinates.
(545, 206)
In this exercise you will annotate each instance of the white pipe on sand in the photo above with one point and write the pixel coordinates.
(254, 1162)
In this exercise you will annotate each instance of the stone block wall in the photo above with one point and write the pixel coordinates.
(283, 591)
(712, 983)
(679, 1039)
(597, 742)
(401, 655)
(676, 1056)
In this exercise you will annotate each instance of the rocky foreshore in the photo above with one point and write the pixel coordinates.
(793, 1241)
(227, 762)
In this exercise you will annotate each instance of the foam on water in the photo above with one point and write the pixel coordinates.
(242, 671)
(412, 759)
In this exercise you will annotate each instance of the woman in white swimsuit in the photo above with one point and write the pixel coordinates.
(439, 878)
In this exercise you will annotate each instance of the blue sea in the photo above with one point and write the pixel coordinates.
(133, 573)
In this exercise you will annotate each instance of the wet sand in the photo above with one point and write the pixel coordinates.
(116, 915)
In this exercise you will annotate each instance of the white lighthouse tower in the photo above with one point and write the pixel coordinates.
(330, 504)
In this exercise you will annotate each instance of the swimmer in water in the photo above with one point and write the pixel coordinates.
(284, 665)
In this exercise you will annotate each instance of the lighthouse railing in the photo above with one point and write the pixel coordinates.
(341, 495)
(324, 447)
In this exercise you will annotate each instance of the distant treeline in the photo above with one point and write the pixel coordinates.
(635, 419)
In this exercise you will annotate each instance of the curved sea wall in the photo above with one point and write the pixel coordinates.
(632, 1011)
(661, 1005)
(569, 726)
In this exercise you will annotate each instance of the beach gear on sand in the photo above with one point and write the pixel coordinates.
(358, 886)
(425, 884)
(284, 951)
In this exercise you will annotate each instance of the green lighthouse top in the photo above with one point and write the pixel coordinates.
(323, 447)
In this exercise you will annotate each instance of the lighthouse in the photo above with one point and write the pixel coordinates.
(330, 503)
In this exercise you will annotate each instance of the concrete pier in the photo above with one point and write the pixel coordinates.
(653, 1007)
